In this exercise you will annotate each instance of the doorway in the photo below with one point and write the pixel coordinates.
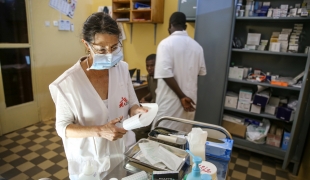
(18, 105)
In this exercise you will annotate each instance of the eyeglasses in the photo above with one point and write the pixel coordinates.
(105, 50)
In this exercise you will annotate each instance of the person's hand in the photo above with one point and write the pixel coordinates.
(111, 132)
(187, 104)
(142, 100)
(140, 110)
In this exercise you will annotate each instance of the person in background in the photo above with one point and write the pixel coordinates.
(179, 62)
(151, 82)
(150, 97)
(92, 98)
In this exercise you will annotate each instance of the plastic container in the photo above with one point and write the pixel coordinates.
(89, 173)
(195, 174)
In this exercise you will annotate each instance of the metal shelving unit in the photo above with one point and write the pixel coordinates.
(216, 27)
(271, 53)
(263, 84)
(262, 115)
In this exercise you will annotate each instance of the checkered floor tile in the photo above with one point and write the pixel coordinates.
(36, 152)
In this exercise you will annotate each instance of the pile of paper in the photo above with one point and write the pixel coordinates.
(158, 156)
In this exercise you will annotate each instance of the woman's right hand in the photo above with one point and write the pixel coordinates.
(110, 131)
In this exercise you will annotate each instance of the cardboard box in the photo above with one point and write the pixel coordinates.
(285, 141)
(234, 128)
(244, 105)
(220, 150)
(245, 94)
(274, 138)
(231, 100)
(256, 109)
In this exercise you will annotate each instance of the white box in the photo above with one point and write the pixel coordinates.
(256, 109)
(274, 101)
(253, 38)
(236, 73)
(231, 100)
(274, 46)
(270, 109)
(245, 94)
(244, 105)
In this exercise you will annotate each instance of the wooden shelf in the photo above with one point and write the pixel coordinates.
(141, 10)
(263, 84)
(153, 15)
(263, 115)
(271, 53)
(121, 11)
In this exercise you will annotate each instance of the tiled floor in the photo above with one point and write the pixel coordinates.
(36, 152)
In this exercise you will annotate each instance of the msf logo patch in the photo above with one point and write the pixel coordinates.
(123, 102)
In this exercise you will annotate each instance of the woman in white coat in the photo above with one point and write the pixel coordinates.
(92, 98)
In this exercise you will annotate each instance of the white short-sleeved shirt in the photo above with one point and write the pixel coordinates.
(181, 57)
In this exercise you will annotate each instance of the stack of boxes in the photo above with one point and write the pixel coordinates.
(295, 38)
(245, 98)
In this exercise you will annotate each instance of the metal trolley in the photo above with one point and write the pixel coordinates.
(128, 167)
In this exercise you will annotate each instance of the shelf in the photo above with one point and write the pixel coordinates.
(274, 19)
(264, 149)
(120, 1)
(264, 115)
(121, 11)
(270, 52)
(141, 10)
(263, 84)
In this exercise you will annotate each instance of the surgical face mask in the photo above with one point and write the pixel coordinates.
(105, 61)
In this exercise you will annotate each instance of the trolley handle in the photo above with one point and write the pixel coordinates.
(196, 123)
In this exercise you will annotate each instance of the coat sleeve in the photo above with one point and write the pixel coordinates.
(64, 115)
(132, 94)
(202, 64)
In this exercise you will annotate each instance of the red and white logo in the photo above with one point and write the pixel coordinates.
(123, 102)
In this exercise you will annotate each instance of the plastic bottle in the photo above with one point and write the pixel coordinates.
(195, 174)
(89, 173)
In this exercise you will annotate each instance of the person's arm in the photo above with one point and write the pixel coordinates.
(186, 102)
(67, 129)
(146, 98)
(108, 131)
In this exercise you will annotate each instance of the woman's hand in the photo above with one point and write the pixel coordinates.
(110, 131)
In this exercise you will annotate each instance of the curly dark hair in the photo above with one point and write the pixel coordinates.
(99, 22)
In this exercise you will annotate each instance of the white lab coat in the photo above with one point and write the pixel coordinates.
(181, 57)
(77, 102)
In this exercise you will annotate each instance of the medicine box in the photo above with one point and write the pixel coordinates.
(270, 109)
(285, 141)
(244, 105)
(274, 138)
(285, 113)
(260, 100)
(245, 94)
(220, 150)
(256, 109)
(236, 73)
(231, 100)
